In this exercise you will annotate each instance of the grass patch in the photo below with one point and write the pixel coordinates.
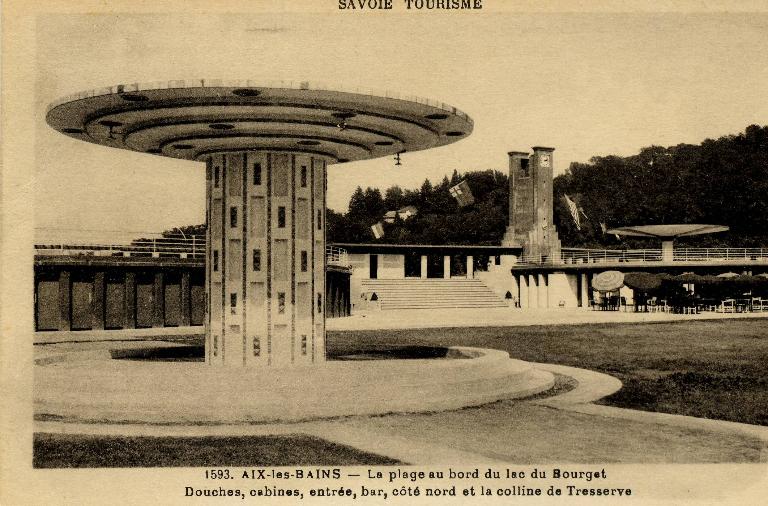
(563, 384)
(68, 450)
(712, 369)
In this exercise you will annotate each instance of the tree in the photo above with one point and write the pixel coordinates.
(393, 198)
(722, 181)
(374, 204)
(357, 208)
(455, 178)
(186, 231)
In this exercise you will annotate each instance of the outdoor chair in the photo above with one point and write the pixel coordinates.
(727, 306)
(759, 304)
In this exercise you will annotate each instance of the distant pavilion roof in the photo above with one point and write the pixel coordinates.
(668, 231)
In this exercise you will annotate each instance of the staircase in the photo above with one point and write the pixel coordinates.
(432, 293)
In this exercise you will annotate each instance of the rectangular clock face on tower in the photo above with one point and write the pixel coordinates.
(544, 161)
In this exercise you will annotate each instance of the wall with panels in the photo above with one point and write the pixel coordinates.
(76, 295)
(83, 297)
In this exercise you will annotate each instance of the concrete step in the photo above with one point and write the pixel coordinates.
(447, 297)
(388, 307)
(451, 293)
(417, 293)
(425, 283)
(447, 303)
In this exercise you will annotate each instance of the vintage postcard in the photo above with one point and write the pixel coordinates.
(384, 251)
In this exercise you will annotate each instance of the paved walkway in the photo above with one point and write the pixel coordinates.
(416, 319)
(506, 317)
(77, 336)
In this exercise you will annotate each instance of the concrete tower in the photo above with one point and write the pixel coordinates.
(531, 224)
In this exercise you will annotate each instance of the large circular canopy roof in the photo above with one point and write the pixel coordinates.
(668, 231)
(189, 119)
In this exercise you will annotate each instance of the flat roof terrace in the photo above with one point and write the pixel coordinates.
(581, 258)
(429, 248)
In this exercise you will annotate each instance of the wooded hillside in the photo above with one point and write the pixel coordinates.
(722, 182)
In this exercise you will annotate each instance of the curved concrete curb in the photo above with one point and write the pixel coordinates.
(93, 388)
(594, 386)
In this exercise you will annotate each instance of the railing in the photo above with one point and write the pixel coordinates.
(698, 254)
(336, 256)
(182, 247)
(179, 247)
(589, 256)
(295, 85)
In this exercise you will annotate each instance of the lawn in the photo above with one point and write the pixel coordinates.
(65, 450)
(713, 369)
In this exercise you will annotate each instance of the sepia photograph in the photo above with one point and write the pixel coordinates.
(418, 251)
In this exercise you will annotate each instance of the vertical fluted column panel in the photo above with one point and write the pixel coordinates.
(266, 259)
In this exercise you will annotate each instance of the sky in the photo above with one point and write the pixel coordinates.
(586, 84)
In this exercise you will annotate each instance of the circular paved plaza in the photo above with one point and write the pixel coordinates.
(83, 382)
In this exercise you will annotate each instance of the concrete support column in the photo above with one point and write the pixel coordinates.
(99, 291)
(515, 289)
(554, 291)
(130, 300)
(470, 267)
(523, 293)
(543, 291)
(158, 301)
(186, 317)
(667, 251)
(65, 300)
(562, 290)
(584, 290)
(424, 265)
(446, 266)
(533, 292)
(266, 249)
